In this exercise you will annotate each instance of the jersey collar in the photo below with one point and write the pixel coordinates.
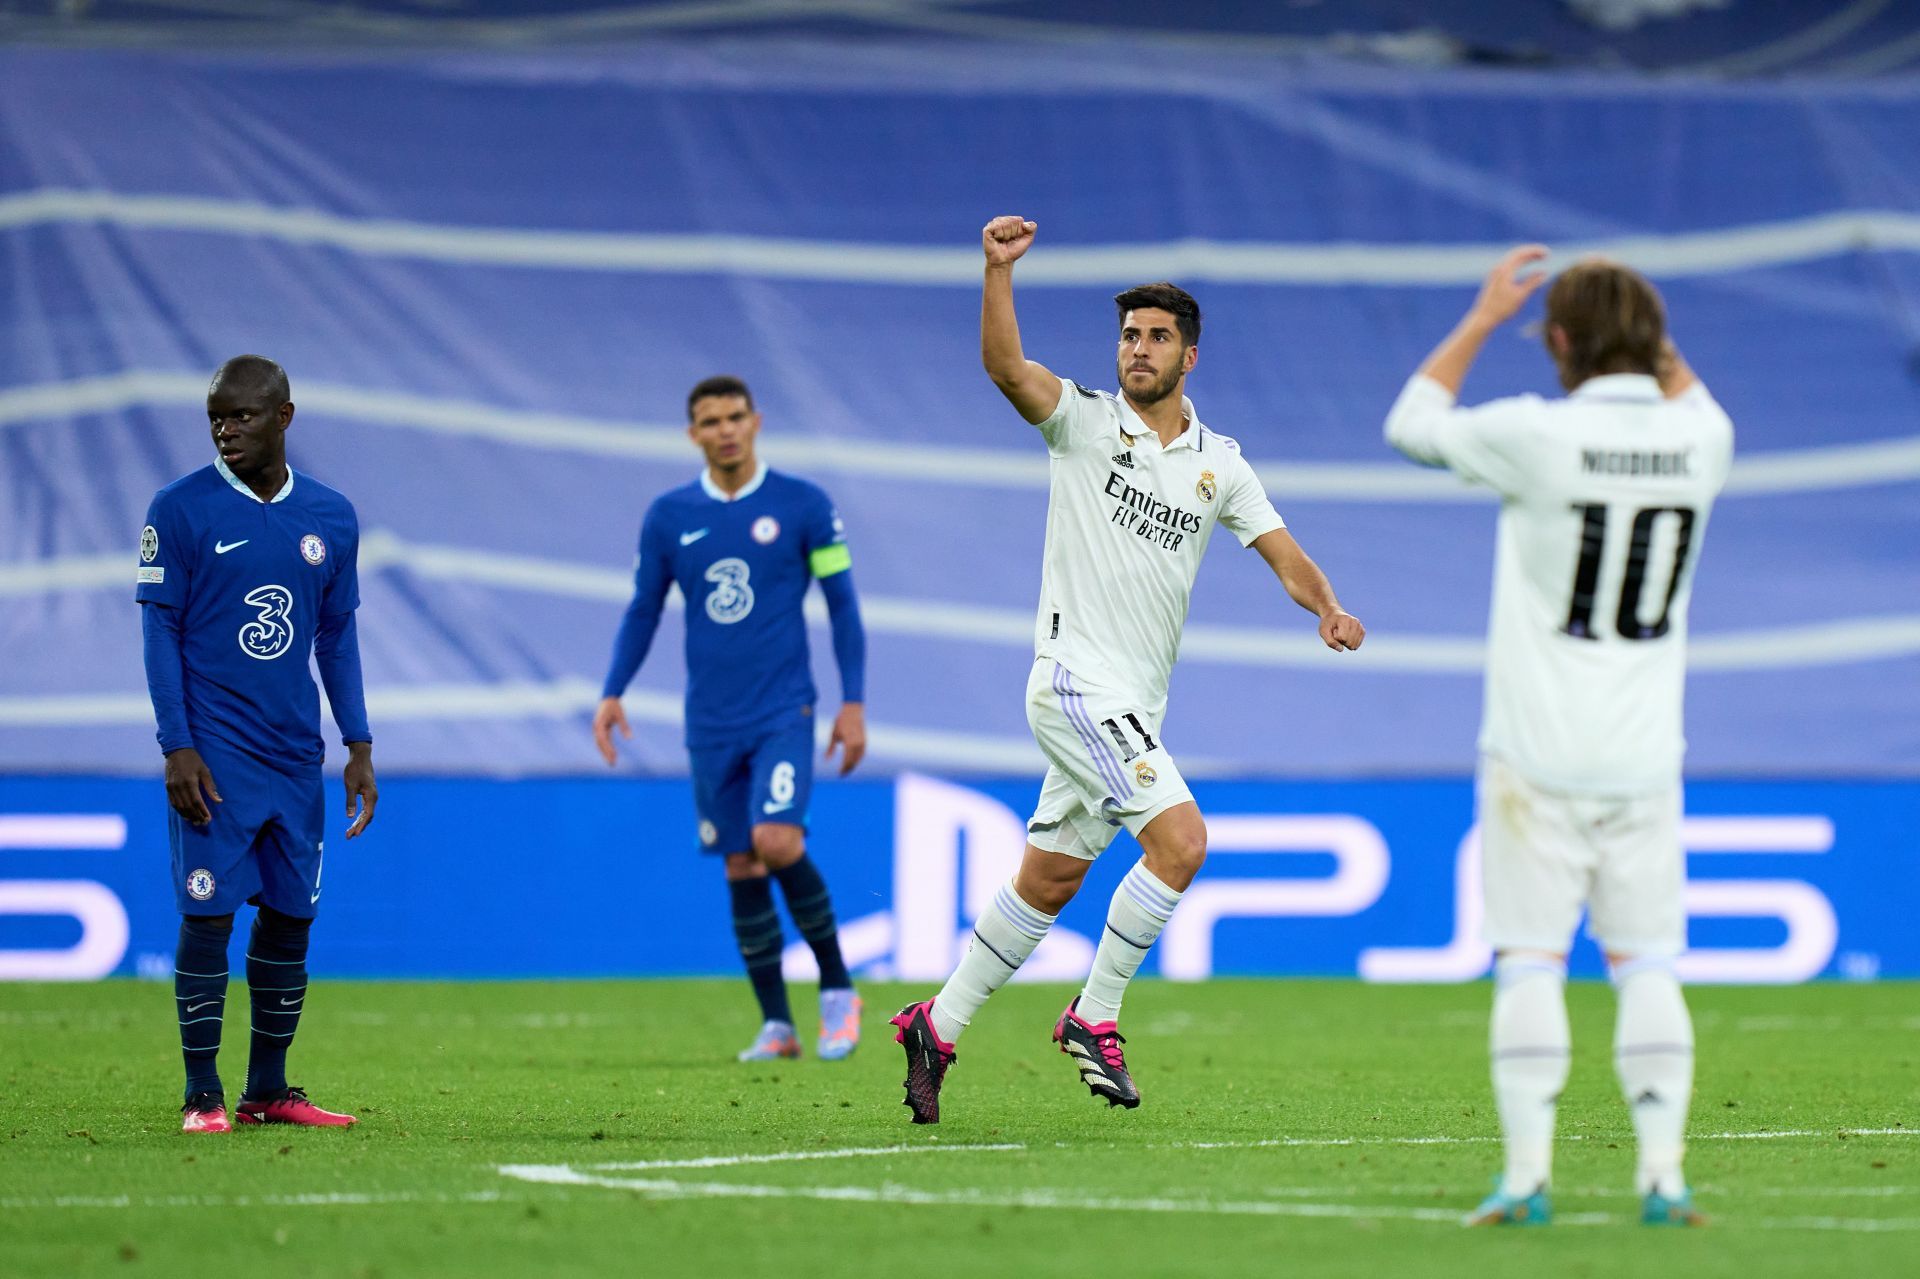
(1187, 439)
(221, 464)
(719, 494)
(1619, 386)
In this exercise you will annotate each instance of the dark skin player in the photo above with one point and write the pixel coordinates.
(248, 412)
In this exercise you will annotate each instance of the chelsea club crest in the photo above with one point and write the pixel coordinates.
(200, 885)
(312, 549)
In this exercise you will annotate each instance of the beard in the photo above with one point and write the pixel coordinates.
(1161, 388)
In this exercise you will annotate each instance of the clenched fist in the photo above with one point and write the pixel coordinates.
(1005, 239)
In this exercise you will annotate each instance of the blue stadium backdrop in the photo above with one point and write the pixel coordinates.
(493, 277)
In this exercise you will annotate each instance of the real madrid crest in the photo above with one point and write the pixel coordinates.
(312, 549)
(1205, 487)
(1143, 773)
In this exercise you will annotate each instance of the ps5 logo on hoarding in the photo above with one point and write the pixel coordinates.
(954, 847)
(104, 928)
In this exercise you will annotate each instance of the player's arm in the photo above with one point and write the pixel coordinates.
(189, 781)
(1031, 388)
(1417, 425)
(165, 570)
(1310, 589)
(1676, 375)
(336, 651)
(850, 655)
(652, 574)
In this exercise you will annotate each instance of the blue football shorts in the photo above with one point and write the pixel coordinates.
(766, 776)
(263, 846)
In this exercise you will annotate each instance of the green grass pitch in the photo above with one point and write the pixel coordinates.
(1289, 1128)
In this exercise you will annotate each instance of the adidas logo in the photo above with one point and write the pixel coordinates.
(1124, 459)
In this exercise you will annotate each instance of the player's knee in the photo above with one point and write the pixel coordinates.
(778, 846)
(1181, 854)
(278, 924)
(215, 929)
(744, 866)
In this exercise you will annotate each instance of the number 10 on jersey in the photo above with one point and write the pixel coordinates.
(1586, 575)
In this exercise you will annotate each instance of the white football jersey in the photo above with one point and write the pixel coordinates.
(1127, 523)
(1604, 504)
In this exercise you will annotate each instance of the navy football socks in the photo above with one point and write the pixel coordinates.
(200, 995)
(756, 926)
(812, 911)
(277, 982)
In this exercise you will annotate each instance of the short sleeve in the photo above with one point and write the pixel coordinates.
(343, 588)
(1489, 444)
(1081, 415)
(165, 568)
(826, 538)
(1245, 510)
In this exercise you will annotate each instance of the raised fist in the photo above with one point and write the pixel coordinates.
(1005, 239)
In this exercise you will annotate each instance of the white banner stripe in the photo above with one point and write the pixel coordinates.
(1848, 640)
(1778, 471)
(1675, 255)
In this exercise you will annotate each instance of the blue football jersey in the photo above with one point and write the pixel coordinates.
(744, 565)
(251, 580)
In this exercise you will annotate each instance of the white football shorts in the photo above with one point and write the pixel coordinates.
(1106, 766)
(1546, 854)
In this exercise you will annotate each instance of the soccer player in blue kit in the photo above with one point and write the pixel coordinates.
(744, 543)
(245, 570)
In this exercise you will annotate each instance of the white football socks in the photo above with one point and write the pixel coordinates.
(1004, 935)
(1653, 1053)
(1141, 907)
(1531, 1044)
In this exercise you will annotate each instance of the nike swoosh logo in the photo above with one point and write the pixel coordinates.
(288, 1003)
(194, 1008)
(688, 539)
(221, 548)
(775, 808)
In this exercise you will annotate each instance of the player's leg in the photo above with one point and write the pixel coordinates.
(200, 999)
(1008, 932)
(1639, 917)
(781, 794)
(722, 779)
(290, 854)
(1534, 882)
(214, 872)
(1004, 936)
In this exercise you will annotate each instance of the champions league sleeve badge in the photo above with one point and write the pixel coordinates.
(149, 544)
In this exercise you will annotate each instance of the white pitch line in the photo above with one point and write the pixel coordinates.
(794, 1156)
(894, 1195)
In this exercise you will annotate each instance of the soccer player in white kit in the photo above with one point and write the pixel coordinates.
(1136, 485)
(1604, 502)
